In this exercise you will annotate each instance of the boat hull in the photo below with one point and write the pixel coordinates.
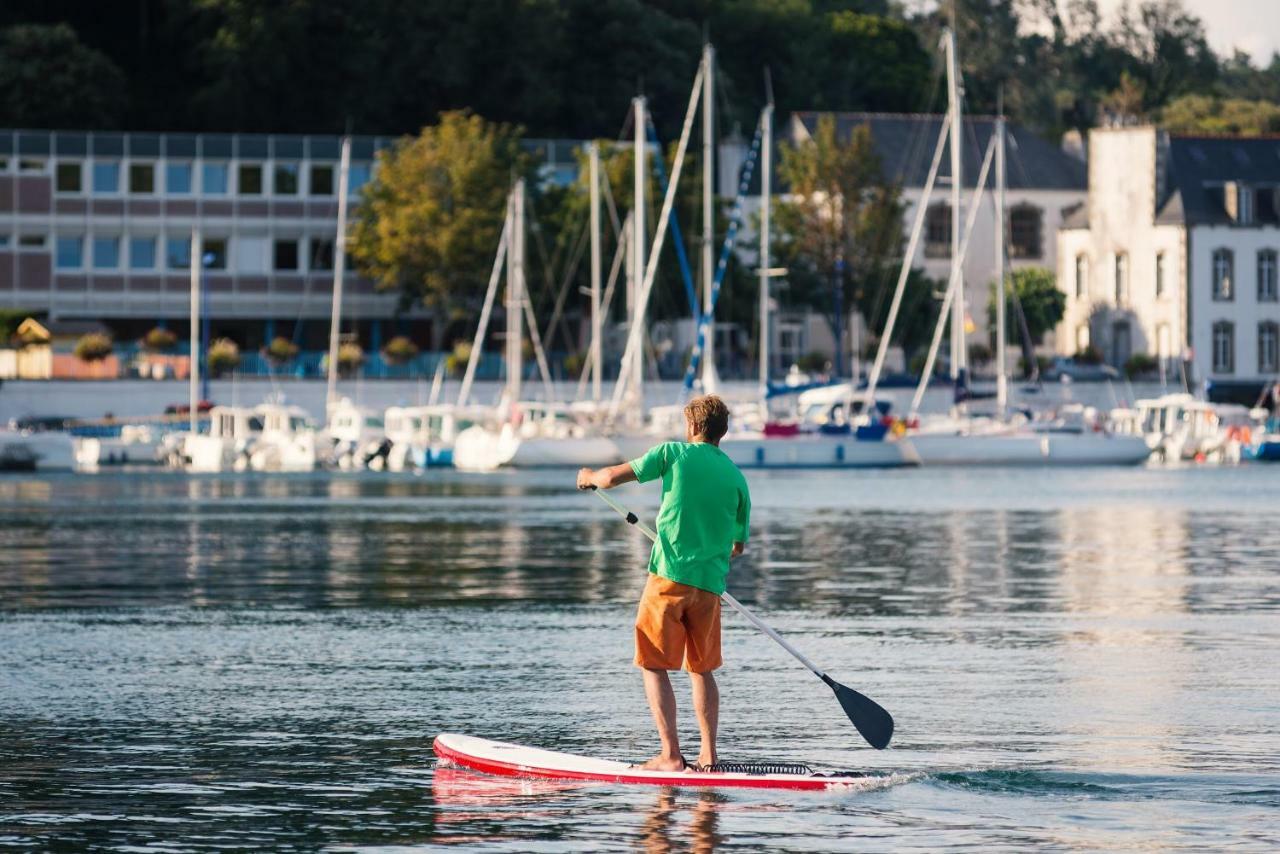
(818, 451)
(1029, 449)
(530, 763)
(42, 451)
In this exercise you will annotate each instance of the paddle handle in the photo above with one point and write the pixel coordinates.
(760, 624)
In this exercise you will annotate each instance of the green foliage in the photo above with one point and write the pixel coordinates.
(49, 79)
(399, 350)
(456, 362)
(573, 364)
(1043, 304)
(1140, 365)
(160, 340)
(814, 363)
(93, 347)
(1207, 114)
(1090, 355)
(429, 222)
(350, 357)
(281, 350)
(222, 357)
(980, 354)
(10, 320)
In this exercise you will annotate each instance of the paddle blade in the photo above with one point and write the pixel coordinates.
(871, 719)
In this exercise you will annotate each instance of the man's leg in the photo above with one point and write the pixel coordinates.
(706, 704)
(662, 702)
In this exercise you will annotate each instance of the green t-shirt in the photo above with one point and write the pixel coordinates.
(706, 508)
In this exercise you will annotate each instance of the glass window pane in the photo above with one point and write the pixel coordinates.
(321, 254)
(68, 177)
(106, 253)
(286, 179)
(322, 180)
(142, 253)
(357, 177)
(177, 179)
(70, 253)
(215, 253)
(4, 239)
(31, 240)
(250, 180)
(31, 165)
(106, 177)
(142, 178)
(286, 255)
(177, 252)
(213, 179)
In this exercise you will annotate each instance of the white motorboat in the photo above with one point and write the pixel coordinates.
(356, 437)
(137, 445)
(36, 450)
(424, 436)
(288, 441)
(1178, 427)
(234, 432)
(549, 435)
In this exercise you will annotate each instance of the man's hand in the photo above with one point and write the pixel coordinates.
(586, 478)
(605, 478)
(738, 549)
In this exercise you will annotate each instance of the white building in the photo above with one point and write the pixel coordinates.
(1175, 255)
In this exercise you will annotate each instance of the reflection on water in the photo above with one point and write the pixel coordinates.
(1075, 659)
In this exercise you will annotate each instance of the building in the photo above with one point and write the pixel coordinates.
(1175, 255)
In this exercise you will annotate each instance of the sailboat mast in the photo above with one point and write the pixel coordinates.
(959, 354)
(766, 189)
(515, 297)
(708, 214)
(593, 154)
(638, 253)
(1002, 385)
(197, 249)
(339, 271)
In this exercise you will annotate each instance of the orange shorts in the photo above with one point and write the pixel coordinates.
(677, 624)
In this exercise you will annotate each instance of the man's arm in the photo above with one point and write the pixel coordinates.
(606, 478)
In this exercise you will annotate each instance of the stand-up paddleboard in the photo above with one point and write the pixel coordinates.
(513, 760)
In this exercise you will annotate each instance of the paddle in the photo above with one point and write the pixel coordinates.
(875, 724)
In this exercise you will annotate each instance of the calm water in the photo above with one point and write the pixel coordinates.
(1076, 660)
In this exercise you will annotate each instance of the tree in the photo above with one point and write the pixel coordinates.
(1036, 290)
(49, 79)
(1211, 115)
(842, 232)
(429, 222)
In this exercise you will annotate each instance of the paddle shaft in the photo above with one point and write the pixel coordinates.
(760, 624)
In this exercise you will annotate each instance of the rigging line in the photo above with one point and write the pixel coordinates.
(677, 239)
(726, 250)
(571, 270)
(606, 300)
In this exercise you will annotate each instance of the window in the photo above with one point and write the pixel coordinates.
(142, 253)
(1268, 347)
(322, 180)
(213, 179)
(142, 178)
(215, 253)
(1224, 347)
(1159, 274)
(1122, 277)
(4, 164)
(285, 256)
(106, 253)
(1244, 203)
(4, 240)
(177, 253)
(177, 179)
(1267, 275)
(1024, 231)
(69, 253)
(67, 177)
(1223, 264)
(321, 254)
(357, 177)
(106, 177)
(1082, 276)
(31, 241)
(286, 179)
(31, 165)
(249, 179)
(937, 231)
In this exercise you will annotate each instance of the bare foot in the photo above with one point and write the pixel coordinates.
(662, 762)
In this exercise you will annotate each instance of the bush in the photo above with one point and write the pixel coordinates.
(814, 363)
(159, 340)
(222, 356)
(456, 362)
(93, 347)
(399, 350)
(574, 363)
(979, 354)
(10, 320)
(1090, 355)
(1139, 365)
(350, 358)
(281, 350)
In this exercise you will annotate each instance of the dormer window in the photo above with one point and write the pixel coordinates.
(1237, 198)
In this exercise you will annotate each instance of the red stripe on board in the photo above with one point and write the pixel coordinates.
(507, 769)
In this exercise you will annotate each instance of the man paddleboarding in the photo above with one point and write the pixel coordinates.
(701, 524)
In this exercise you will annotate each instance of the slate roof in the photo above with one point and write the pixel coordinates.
(905, 143)
(1200, 165)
